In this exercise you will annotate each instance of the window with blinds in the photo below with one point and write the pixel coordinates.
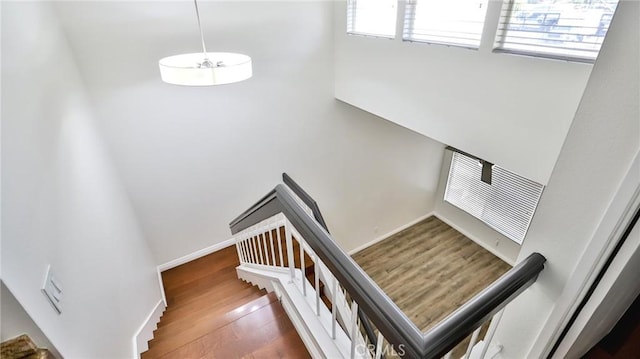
(372, 17)
(567, 30)
(449, 22)
(506, 205)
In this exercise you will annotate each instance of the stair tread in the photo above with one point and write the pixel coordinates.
(211, 313)
(288, 345)
(205, 303)
(239, 338)
(204, 266)
(201, 281)
(205, 284)
(185, 320)
(163, 343)
(216, 292)
(252, 334)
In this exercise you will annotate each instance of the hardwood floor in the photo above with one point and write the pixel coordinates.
(213, 314)
(429, 270)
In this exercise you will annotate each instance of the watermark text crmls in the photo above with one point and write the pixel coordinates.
(387, 349)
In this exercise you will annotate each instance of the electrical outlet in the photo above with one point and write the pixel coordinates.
(52, 290)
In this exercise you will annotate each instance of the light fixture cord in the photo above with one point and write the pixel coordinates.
(204, 48)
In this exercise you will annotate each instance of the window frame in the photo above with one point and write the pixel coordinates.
(409, 21)
(350, 18)
(500, 39)
(486, 209)
(494, 45)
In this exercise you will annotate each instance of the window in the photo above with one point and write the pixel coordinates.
(372, 17)
(506, 205)
(450, 22)
(571, 30)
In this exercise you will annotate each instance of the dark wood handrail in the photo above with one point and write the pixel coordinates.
(317, 214)
(306, 198)
(396, 327)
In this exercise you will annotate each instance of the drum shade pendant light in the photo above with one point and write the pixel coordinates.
(205, 68)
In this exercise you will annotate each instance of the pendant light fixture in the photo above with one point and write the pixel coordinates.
(205, 68)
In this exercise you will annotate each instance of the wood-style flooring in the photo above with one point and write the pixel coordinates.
(429, 270)
(213, 314)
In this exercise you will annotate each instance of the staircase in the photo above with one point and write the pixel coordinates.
(320, 303)
(212, 314)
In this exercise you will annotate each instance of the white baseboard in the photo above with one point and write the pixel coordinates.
(385, 236)
(145, 333)
(164, 296)
(474, 238)
(197, 254)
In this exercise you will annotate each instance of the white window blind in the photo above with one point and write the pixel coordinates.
(571, 30)
(449, 22)
(507, 204)
(372, 17)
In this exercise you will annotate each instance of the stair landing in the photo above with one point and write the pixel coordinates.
(213, 314)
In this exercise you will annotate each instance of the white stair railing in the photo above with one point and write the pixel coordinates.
(268, 259)
(274, 255)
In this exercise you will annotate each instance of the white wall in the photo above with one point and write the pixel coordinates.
(601, 144)
(62, 202)
(470, 226)
(511, 110)
(193, 159)
(14, 321)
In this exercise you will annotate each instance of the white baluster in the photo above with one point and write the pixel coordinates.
(316, 274)
(379, 345)
(292, 268)
(258, 244)
(265, 244)
(334, 308)
(243, 256)
(266, 248)
(354, 328)
(474, 339)
(492, 330)
(252, 248)
(273, 251)
(302, 267)
(247, 250)
(240, 257)
(279, 246)
(247, 253)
